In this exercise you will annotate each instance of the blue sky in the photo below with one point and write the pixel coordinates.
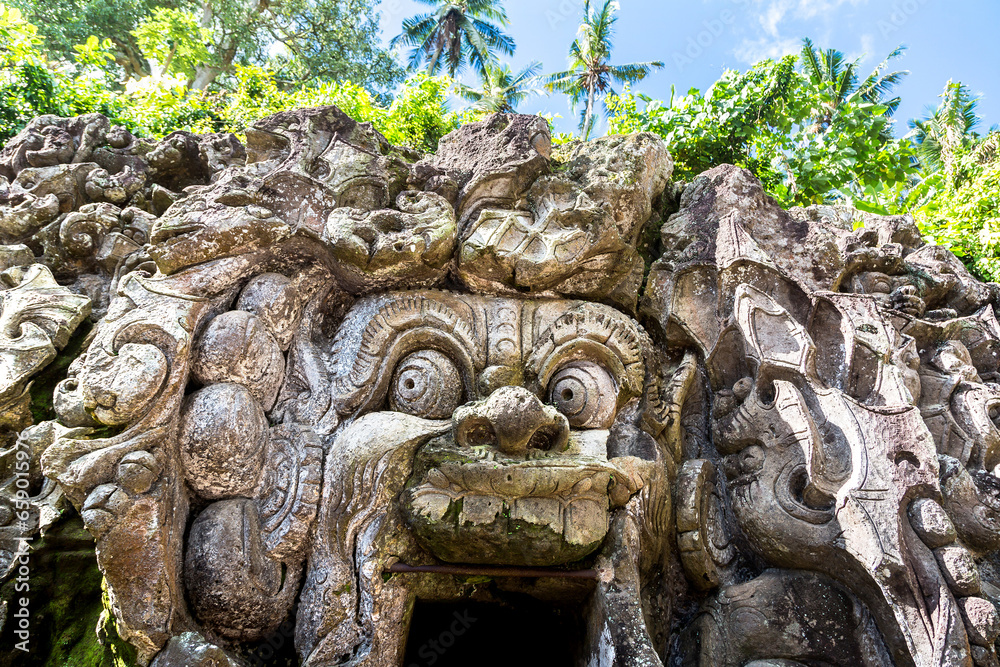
(698, 39)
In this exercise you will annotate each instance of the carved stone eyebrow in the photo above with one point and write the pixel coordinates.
(378, 332)
(596, 333)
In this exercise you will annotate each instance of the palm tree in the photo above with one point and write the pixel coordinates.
(946, 131)
(457, 33)
(832, 73)
(590, 72)
(502, 90)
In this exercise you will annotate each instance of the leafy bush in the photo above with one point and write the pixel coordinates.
(964, 214)
(763, 120)
(153, 106)
(742, 119)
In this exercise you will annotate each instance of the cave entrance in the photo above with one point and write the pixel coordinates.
(526, 633)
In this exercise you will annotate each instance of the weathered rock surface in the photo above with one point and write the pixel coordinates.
(329, 378)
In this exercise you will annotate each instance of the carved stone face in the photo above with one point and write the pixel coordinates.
(576, 230)
(529, 391)
(48, 145)
(413, 242)
(813, 481)
(201, 228)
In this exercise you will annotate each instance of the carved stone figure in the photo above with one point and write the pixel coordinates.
(331, 382)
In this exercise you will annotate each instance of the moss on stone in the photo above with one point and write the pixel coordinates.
(66, 600)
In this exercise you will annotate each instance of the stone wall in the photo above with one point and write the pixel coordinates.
(303, 388)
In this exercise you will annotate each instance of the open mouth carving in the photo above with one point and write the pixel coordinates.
(467, 506)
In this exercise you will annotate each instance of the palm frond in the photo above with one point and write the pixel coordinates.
(425, 52)
(563, 82)
(633, 71)
(810, 61)
(529, 73)
(488, 9)
(415, 30)
(457, 32)
(845, 85)
(494, 37)
(469, 93)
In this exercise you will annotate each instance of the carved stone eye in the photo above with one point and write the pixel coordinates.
(586, 394)
(426, 384)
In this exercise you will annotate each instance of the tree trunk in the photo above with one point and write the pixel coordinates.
(166, 63)
(588, 117)
(204, 75)
(130, 59)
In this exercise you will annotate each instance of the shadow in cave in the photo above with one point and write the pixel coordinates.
(465, 633)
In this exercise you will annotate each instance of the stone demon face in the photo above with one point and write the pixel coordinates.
(492, 431)
(527, 393)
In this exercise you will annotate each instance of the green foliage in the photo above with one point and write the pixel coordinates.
(501, 90)
(964, 213)
(417, 118)
(154, 106)
(742, 119)
(949, 130)
(764, 120)
(830, 72)
(855, 159)
(67, 598)
(94, 53)
(27, 87)
(306, 40)
(63, 24)
(331, 40)
(175, 40)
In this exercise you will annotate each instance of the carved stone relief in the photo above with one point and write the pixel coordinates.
(330, 380)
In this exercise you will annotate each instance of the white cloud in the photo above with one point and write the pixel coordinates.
(809, 8)
(867, 48)
(775, 14)
(770, 15)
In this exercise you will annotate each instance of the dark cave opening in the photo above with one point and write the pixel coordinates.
(464, 633)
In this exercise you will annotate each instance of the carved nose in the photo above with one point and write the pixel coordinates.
(513, 420)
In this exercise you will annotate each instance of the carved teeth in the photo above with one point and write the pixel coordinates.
(581, 521)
